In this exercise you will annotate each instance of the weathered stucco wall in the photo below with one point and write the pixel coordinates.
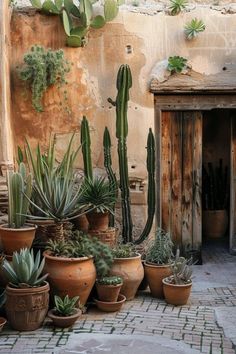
(152, 38)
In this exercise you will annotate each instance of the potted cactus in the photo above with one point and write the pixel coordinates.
(108, 288)
(157, 264)
(17, 233)
(65, 313)
(27, 294)
(177, 287)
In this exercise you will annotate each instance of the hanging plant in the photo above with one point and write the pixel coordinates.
(43, 68)
(77, 20)
(193, 28)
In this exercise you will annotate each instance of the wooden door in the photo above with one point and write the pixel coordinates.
(232, 213)
(180, 175)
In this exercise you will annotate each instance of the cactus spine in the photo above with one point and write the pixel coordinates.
(108, 166)
(86, 148)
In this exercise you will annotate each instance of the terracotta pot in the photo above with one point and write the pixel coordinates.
(144, 283)
(108, 237)
(98, 221)
(72, 276)
(111, 306)
(64, 321)
(214, 223)
(176, 294)
(26, 308)
(154, 274)
(132, 273)
(81, 223)
(2, 322)
(108, 293)
(15, 239)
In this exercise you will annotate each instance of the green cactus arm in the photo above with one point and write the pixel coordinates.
(86, 149)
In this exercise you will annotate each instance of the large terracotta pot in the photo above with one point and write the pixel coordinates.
(154, 274)
(131, 271)
(26, 308)
(98, 221)
(15, 239)
(70, 276)
(214, 223)
(176, 294)
(108, 293)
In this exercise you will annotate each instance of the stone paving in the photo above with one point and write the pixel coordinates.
(194, 325)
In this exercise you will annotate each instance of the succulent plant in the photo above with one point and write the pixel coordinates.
(25, 270)
(176, 6)
(111, 280)
(86, 149)
(160, 250)
(65, 307)
(193, 28)
(182, 273)
(176, 64)
(124, 251)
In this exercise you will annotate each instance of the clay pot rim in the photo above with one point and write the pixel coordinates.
(36, 289)
(109, 285)
(138, 255)
(121, 301)
(153, 265)
(3, 321)
(47, 254)
(215, 211)
(51, 314)
(24, 228)
(187, 285)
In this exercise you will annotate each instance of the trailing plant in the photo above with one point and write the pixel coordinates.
(43, 68)
(182, 273)
(65, 307)
(78, 19)
(160, 250)
(124, 251)
(19, 194)
(111, 280)
(176, 6)
(25, 270)
(176, 64)
(86, 149)
(193, 28)
(123, 84)
(215, 186)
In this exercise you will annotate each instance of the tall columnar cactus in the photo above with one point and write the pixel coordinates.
(108, 166)
(86, 148)
(19, 192)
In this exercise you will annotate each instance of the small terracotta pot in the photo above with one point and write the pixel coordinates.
(132, 273)
(26, 308)
(154, 274)
(15, 239)
(66, 321)
(214, 223)
(81, 223)
(108, 293)
(111, 306)
(176, 294)
(144, 283)
(2, 322)
(98, 221)
(70, 276)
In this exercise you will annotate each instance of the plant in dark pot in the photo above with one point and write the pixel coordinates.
(177, 287)
(18, 233)
(215, 200)
(27, 294)
(158, 262)
(65, 313)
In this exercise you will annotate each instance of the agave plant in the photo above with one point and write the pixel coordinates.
(160, 249)
(182, 272)
(25, 270)
(176, 6)
(176, 64)
(193, 28)
(65, 307)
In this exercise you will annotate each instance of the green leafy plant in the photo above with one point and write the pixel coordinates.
(193, 28)
(182, 273)
(160, 250)
(176, 6)
(43, 68)
(78, 19)
(19, 194)
(86, 148)
(25, 270)
(124, 251)
(65, 307)
(176, 64)
(112, 280)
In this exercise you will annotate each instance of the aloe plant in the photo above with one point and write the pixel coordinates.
(25, 270)
(19, 194)
(176, 6)
(193, 28)
(66, 306)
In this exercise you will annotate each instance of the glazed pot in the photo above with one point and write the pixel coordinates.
(15, 239)
(26, 308)
(176, 294)
(98, 221)
(214, 223)
(111, 306)
(154, 274)
(108, 293)
(131, 271)
(64, 321)
(70, 276)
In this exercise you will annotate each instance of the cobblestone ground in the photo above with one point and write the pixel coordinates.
(195, 324)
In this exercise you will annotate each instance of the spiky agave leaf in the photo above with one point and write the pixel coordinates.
(193, 28)
(176, 6)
